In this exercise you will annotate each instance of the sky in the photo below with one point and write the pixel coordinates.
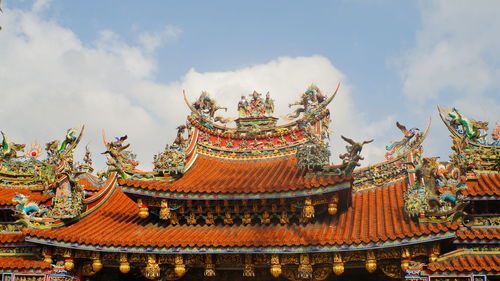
(122, 65)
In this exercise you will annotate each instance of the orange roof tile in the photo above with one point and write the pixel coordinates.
(11, 237)
(468, 261)
(479, 233)
(89, 183)
(218, 175)
(7, 194)
(487, 184)
(376, 216)
(23, 263)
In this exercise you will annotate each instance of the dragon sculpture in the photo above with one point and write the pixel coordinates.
(471, 128)
(27, 210)
(10, 149)
(120, 158)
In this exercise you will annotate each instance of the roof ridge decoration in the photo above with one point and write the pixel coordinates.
(120, 158)
(470, 142)
(435, 192)
(57, 175)
(392, 169)
(256, 132)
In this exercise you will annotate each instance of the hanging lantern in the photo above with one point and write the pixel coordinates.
(143, 209)
(152, 269)
(96, 262)
(275, 266)
(164, 210)
(47, 255)
(435, 250)
(405, 259)
(180, 267)
(371, 262)
(338, 264)
(69, 263)
(124, 264)
(209, 266)
(333, 204)
(308, 210)
(249, 267)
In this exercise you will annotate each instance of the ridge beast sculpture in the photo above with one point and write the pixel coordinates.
(10, 149)
(27, 210)
(204, 107)
(396, 148)
(471, 128)
(173, 158)
(470, 144)
(351, 159)
(119, 158)
(309, 101)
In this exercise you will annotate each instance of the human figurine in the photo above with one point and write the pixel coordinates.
(269, 105)
(256, 105)
(243, 107)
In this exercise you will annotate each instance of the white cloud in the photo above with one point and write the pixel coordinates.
(455, 63)
(456, 50)
(51, 81)
(152, 40)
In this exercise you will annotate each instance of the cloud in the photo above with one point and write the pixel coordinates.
(151, 41)
(52, 81)
(456, 51)
(454, 63)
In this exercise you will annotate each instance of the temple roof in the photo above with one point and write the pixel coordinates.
(217, 175)
(461, 260)
(11, 237)
(487, 184)
(7, 194)
(483, 235)
(375, 219)
(23, 263)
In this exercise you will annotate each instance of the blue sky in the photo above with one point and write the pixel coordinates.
(121, 65)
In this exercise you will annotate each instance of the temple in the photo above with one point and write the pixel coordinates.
(251, 198)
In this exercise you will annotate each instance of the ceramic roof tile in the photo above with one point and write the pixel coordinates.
(23, 263)
(7, 194)
(11, 237)
(116, 223)
(487, 184)
(467, 261)
(490, 233)
(217, 175)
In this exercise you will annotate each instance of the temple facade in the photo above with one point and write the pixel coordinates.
(251, 198)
